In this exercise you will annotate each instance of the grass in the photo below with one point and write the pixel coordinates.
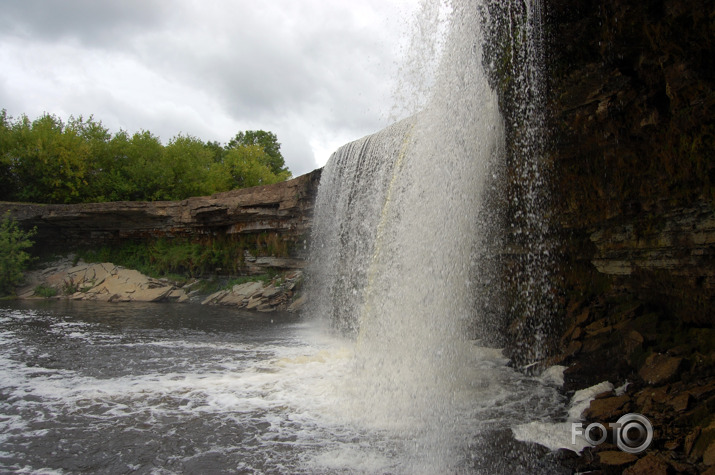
(178, 258)
(45, 291)
(265, 278)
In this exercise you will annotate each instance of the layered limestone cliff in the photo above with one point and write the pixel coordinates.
(283, 210)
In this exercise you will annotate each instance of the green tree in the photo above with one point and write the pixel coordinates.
(8, 182)
(13, 258)
(189, 162)
(139, 171)
(246, 166)
(50, 161)
(268, 141)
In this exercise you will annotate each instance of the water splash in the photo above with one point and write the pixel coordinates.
(515, 58)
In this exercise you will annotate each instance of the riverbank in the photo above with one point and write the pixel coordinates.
(75, 279)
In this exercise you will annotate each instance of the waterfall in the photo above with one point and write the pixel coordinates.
(396, 243)
(395, 225)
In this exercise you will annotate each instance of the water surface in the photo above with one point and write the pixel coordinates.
(175, 388)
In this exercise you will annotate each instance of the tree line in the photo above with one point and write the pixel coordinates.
(49, 160)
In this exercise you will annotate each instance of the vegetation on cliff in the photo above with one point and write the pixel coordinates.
(13, 258)
(177, 257)
(49, 160)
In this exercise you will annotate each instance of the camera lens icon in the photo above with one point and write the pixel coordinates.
(633, 433)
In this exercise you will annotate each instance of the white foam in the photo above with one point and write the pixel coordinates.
(559, 435)
(553, 375)
(554, 436)
(358, 460)
(621, 390)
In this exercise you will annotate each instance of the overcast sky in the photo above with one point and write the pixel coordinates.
(318, 73)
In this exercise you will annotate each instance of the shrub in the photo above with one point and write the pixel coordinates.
(46, 292)
(13, 258)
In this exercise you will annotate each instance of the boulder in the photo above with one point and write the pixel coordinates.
(269, 292)
(608, 408)
(104, 282)
(247, 289)
(215, 297)
(155, 294)
(660, 369)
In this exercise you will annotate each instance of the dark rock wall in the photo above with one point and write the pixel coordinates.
(631, 104)
(631, 111)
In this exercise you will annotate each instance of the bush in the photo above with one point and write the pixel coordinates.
(13, 258)
(44, 291)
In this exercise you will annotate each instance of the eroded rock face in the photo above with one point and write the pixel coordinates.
(284, 208)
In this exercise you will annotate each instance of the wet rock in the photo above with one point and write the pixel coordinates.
(650, 395)
(582, 317)
(156, 294)
(651, 464)
(641, 256)
(616, 458)
(632, 341)
(596, 327)
(178, 295)
(660, 369)
(709, 454)
(257, 295)
(702, 391)
(681, 402)
(609, 408)
(704, 445)
(573, 348)
(605, 394)
(229, 298)
(254, 303)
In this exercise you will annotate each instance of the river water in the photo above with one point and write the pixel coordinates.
(88, 387)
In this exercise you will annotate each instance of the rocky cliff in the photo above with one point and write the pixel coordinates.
(631, 113)
(283, 210)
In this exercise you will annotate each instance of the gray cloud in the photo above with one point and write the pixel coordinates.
(89, 21)
(312, 71)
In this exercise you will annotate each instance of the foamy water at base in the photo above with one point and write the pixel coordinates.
(154, 388)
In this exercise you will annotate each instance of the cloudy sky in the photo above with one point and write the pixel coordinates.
(318, 73)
